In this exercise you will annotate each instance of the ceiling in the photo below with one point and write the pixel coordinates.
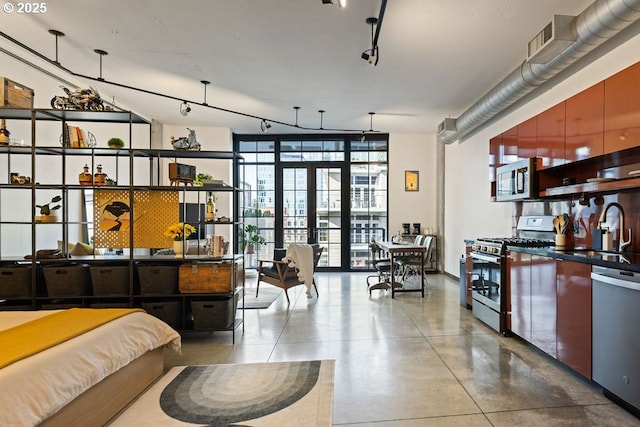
(263, 57)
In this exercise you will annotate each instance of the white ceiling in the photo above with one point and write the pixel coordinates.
(263, 57)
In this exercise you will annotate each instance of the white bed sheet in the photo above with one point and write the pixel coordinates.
(37, 387)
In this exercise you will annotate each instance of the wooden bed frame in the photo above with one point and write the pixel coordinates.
(99, 404)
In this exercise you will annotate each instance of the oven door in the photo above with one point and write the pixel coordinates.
(487, 289)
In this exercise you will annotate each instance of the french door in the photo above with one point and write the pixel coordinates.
(312, 208)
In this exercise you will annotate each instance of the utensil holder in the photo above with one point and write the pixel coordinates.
(561, 241)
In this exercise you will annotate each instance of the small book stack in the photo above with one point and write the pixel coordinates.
(73, 137)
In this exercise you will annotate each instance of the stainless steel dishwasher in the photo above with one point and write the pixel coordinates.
(616, 343)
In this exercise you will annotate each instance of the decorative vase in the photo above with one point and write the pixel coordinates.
(178, 248)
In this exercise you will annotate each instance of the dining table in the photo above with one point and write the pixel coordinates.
(398, 250)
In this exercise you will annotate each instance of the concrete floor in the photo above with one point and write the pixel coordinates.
(409, 361)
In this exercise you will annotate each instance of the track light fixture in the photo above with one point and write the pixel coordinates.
(57, 34)
(339, 3)
(101, 53)
(371, 55)
(296, 108)
(185, 109)
(205, 83)
(321, 115)
(264, 126)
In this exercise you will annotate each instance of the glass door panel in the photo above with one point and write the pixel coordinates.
(328, 217)
(295, 205)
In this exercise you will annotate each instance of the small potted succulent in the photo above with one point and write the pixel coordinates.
(47, 212)
(115, 143)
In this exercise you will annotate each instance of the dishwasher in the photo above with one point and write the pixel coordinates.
(616, 343)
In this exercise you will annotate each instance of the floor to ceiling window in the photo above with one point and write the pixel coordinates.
(328, 189)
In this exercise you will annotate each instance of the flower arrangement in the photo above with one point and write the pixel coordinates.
(179, 231)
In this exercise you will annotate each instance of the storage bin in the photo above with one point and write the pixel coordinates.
(109, 280)
(110, 305)
(169, 312)
(219, 313)
(158, 279)
(67, 281)
(205, 277)
(15, 282)
(15, 95)
(61, 306)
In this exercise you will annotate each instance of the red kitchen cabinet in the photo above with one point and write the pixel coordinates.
(551, 136)
(622, 110)
(519, 303)
(585, 124)
(510, 144)
(495, 160)
(527, 144)
(574, 316)
(543, 304)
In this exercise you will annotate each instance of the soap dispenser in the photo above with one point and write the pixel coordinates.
(607, 240)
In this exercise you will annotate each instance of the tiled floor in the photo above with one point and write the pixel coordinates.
(409, 361)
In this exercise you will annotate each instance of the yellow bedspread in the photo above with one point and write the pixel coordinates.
(37, 335)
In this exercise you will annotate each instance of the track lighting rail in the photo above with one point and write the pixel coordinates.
(182, 100)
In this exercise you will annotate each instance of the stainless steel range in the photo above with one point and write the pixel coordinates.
(489, 255)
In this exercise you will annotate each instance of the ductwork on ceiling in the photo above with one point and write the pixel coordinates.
(595, 25)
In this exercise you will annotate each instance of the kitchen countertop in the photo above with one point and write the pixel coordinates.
(623, 261)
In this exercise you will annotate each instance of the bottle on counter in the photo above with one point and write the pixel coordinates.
(210, 212)
(85, 177)
(4, 132)
(99, 177)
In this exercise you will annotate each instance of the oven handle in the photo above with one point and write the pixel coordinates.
(487, 258)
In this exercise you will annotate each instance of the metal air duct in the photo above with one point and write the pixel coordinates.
(599, 22)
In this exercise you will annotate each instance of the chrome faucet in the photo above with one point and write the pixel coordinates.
(622, 245)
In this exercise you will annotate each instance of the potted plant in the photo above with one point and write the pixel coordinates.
(47, 212)
(250, 237)
(201, 177)
(177, 233)
(115, 143)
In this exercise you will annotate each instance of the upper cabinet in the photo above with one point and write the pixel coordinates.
(585, 124)
(581, 142)
(551, 136)
(622, 110)
(527, 143)
(510, 144)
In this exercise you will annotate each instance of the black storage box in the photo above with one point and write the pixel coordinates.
(109, 280)
(67, 281)
(158, 279)
(15, 282)
(169, 312)
(110, 305)
(218, 313)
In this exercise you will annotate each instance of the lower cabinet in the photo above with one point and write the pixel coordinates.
(574, 316)
(543, 304)
(550, 307)
(519, 305)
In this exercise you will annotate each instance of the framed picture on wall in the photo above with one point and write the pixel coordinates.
(411, 180)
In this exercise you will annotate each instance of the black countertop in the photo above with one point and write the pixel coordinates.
(622, 261)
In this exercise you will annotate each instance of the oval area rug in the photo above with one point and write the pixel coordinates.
(254, 394)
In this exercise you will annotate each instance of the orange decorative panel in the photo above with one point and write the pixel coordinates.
(151, 214)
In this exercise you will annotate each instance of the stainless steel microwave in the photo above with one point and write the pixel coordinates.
(517, 181)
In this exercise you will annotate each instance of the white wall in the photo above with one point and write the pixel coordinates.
(468, 212)
(412, 152)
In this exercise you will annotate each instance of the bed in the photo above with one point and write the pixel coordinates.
(84, 380)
